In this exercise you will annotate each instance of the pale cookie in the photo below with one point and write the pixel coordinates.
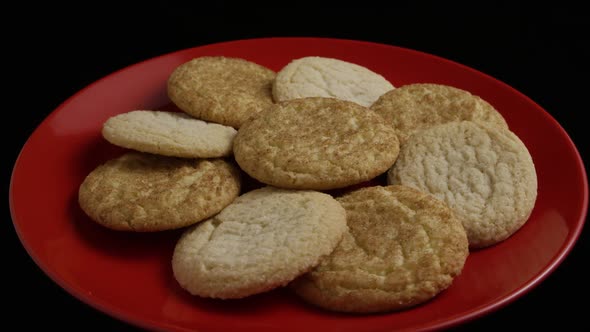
(263, 240)
(403, 248)
(326, 77)
(223, 90)
(144, 193)
(169, 134)
(484, 173)
(315, 143)
(414, 107)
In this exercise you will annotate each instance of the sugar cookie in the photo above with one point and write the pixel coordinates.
(326, 77)
(263, 240)
(169, 134)
(484, 173)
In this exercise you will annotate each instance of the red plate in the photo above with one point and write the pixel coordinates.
(129, 275)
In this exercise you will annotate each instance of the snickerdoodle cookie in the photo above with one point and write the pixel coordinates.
(414, 107)
(403, 247)
(144, 193)
(221, 89)
(316, 143)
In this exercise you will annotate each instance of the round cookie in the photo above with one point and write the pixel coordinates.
(263, 240)
(169, 134)
(315, 143)
(414, 107)
(484, 173)
(403, 248)
(326, 77)
(144, 193)
(223, 90)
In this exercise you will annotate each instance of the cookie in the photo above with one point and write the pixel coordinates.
(263, 240)
(221, 90)
(484, 173)
(414, 107)
(169, 134)
(326, 77)
(144, 193)
(315, 143)
(403, 248)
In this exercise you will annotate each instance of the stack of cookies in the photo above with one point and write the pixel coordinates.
(320, 137)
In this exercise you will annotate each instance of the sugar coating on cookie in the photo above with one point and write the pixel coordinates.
(221, 89)
(169, 134)
(403, 248)
(414, 107)
(484, 173)
(144, 193)
(316, 143)
(263, 240)
(326, 77)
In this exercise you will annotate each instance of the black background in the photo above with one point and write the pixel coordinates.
(52, 52)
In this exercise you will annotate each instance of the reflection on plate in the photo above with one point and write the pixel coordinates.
(129, 275)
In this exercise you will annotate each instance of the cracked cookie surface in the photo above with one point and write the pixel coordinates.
(263, 240)
(315, 143)
(332, 78)
(403, 247)
(484, 173)
(221, 89)
(415, 107)
(145, 193)
(169, 134)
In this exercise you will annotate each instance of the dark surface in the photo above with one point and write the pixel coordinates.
(541, 51)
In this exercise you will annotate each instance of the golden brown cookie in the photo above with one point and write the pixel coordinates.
(403, 248)
(223, 90)
(143, 193)
(484, 173)
(263, 240)
(315, 143)
(414, 107)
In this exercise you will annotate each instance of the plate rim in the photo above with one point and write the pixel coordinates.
(474, 313)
